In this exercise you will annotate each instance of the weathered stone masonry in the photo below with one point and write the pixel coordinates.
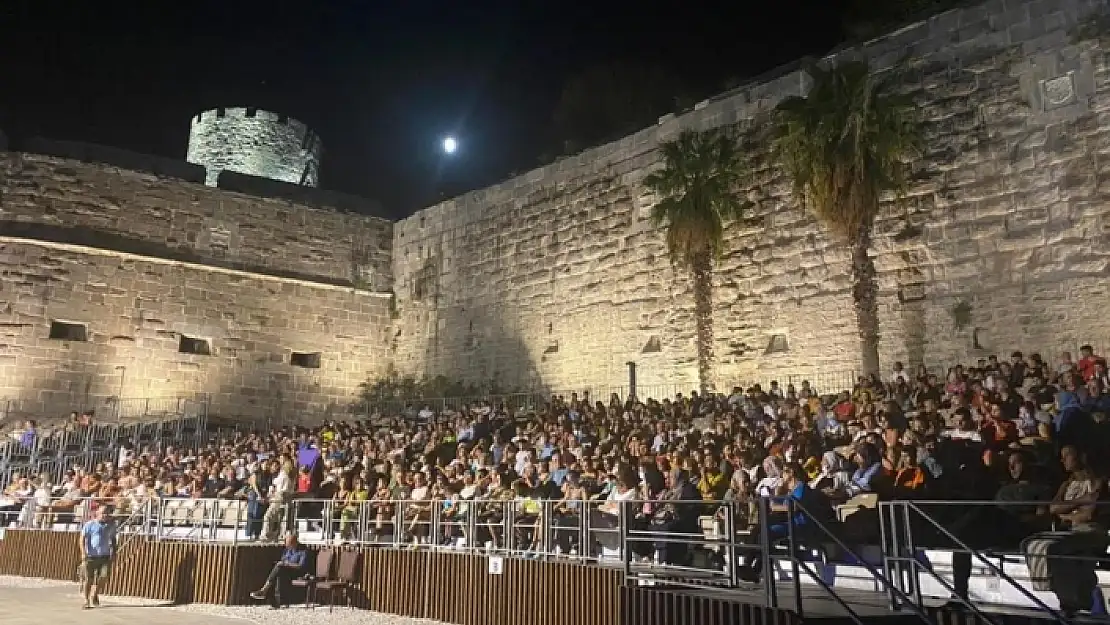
(255, 142)
(556, 277)
(208, 224)
(144, 260)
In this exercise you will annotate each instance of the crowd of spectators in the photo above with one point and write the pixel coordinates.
(1007, 430)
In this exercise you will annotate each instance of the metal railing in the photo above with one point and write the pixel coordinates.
(132, 516)
(107, 409)
(52, 452)
(905, 522)
(822, 533)
(530, 527)
(692, 543)
(823, 382)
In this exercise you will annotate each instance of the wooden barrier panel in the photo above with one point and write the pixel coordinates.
(456, 588)
(180, 572)
(646, 605)
(40, 553)
(654, 605)
(461, 589)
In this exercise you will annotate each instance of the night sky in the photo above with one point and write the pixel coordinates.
(381, 82)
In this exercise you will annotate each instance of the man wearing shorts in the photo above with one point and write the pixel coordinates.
(98, 544)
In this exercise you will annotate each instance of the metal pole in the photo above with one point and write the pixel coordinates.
(915, 581)
(584, 543)
(765, 545)
(730, 546)
(433, 522)
(472, 526)
(235, 528)
(508, 525)
(889, 550)
(398, 522)
(795, 573)
(626, 553)
(898, 570)
(546, 512)
(631, 378)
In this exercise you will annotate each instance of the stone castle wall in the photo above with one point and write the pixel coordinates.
(557, 278)
(142, 260)
(69, 198)
(137, 309)
(255, 142)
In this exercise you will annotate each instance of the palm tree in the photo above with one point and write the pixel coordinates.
(700, 171)
(844, 145)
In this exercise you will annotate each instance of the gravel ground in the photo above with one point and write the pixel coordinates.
(295, 615)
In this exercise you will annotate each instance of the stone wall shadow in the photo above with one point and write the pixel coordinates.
(80, 382)
(184, 587)
(480, 345)
(914, 332)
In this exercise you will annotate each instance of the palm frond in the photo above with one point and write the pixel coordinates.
(845, 144)
(697, 186)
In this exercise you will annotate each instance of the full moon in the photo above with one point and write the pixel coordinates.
(450, 145)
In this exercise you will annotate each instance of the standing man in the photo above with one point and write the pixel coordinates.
(285, 570)
(281, 491)
(98, 545)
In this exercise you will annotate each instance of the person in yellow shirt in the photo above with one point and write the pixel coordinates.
(712, 484)
(351, 500)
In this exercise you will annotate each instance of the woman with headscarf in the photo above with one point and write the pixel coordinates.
(772, 477)
(1072, 423)
(740, 496)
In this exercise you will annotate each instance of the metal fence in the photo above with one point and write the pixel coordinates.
(821, 382)
(104, 409)
(679, 543)
(52, 452)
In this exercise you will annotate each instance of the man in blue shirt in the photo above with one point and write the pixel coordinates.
(98, 545)
(285, 570)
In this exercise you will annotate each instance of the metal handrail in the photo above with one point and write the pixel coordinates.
(551, 535)
(131, 536)
(918, 566)
(793, 504)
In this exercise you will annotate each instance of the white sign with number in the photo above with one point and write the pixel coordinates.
(496, 565)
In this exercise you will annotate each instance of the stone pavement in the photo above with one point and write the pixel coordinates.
(50, 606)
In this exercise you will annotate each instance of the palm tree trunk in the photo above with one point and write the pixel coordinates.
(865, 299)
(701, 270)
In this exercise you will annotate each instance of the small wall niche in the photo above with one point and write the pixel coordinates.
(194, 345)
(777, 344)
(306, 360)
(69, 331)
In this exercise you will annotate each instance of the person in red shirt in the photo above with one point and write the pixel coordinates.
(997, 431)
(304, 481)
(844, 408)
(1088, 361)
